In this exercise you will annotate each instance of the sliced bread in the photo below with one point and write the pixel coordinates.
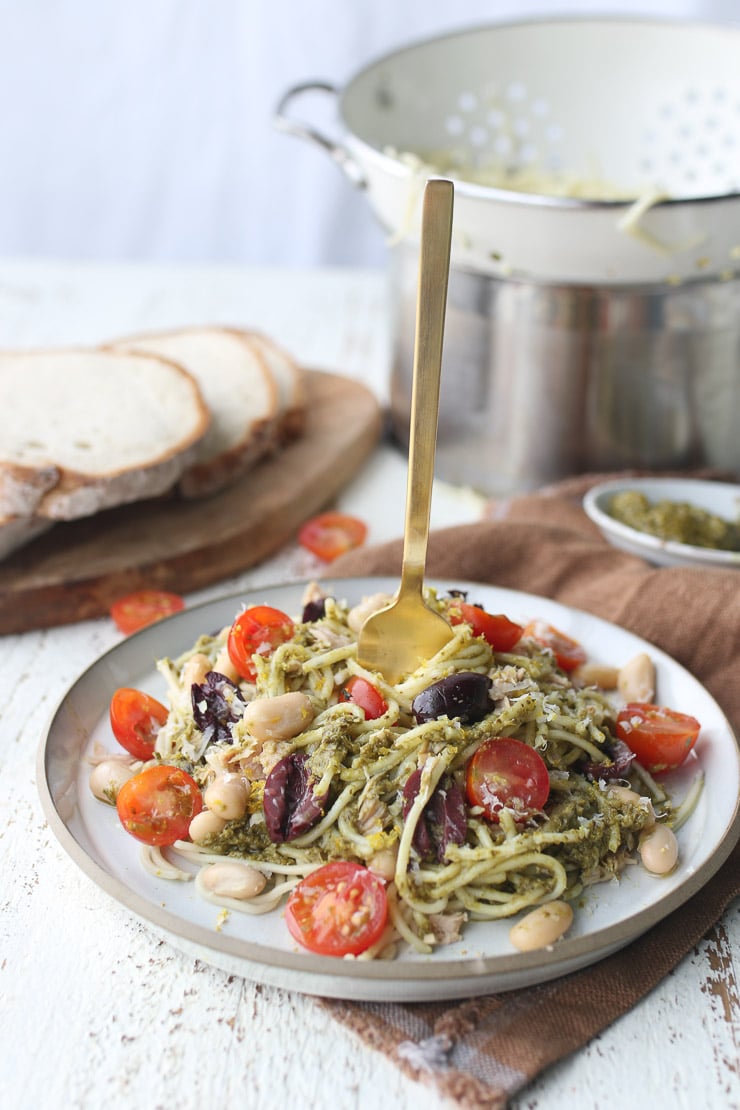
(290, 380)
(240, 391)
(84, 429)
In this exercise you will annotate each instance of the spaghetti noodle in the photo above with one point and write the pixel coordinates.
(358, 773)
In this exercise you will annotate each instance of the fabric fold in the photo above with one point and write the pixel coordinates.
(480, 1052)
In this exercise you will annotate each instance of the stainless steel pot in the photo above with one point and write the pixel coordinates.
(582, 333)
(543, 381)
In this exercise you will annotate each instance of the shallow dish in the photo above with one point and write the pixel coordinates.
(720, 498)
(260, 948)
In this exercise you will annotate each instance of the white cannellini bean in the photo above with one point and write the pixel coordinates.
(596, 674)
(108, 777)
(224, 666)
(233, 880)
(204, 825)
(625, 794)
(542, 927)
(196, 669)
(279, 718)
(383, 863)
(659, 850)
(636, 680)
(359, 614)
(226, 796)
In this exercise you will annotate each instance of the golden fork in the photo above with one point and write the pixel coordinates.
(397, 639)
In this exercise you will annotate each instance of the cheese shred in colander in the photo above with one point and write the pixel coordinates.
(592, 151)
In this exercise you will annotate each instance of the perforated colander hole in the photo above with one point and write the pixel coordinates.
(692, 146)
(528, 154)
(501, 123)
(467, 102)
(516, 91)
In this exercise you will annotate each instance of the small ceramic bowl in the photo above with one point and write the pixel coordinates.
(720, 498)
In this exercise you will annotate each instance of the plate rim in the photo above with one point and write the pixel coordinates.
(342, 977)
(610, 527)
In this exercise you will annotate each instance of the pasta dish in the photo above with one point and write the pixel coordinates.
(493, 780)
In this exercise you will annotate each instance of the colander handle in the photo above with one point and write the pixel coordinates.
(335, 150)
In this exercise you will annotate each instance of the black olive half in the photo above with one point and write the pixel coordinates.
(463, 695)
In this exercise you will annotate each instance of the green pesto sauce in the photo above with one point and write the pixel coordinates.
(675, 520)
(241, 838)
(613, 829)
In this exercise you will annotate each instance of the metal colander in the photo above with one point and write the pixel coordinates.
(584, 150)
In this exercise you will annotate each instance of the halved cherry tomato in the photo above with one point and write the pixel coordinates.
(144, 607)
(507, 774)
(364, 694)
(568, 652)
(501, 633)
(157, 805)
(661, 738)
(136, 718)
(338, 910)
(257, 631)
(329, 535)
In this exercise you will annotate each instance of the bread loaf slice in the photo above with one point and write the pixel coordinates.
(241, 394)
(290, 379)
(84, 430)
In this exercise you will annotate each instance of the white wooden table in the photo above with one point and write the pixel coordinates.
(96, 1012)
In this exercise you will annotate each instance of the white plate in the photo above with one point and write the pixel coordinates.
(720, 498)
(260, 948)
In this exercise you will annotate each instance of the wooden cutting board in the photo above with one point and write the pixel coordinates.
(75, 570)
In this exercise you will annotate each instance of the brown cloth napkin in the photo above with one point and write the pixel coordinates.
(480, 1052)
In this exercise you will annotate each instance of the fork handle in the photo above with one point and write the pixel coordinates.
(434, 269)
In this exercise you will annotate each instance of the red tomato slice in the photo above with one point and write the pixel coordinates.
(257, 631)
(329, 535)
(144, 607)
(136, 718)
(501, 633)
(661, 738)
(157, 805)
(338, 910)
(507, 774)
(568, 653)
(364, 694)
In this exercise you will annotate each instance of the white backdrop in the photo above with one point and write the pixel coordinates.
(142, 129)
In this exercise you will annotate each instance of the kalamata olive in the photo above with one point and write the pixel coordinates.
(442, 820)
(290, 805)
(620, 760)
(217, 704)
(463, 695)
(314, 610)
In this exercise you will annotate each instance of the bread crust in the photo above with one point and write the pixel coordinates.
(291, 386)
(52, 489)
(15, 531)
(260, 434)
